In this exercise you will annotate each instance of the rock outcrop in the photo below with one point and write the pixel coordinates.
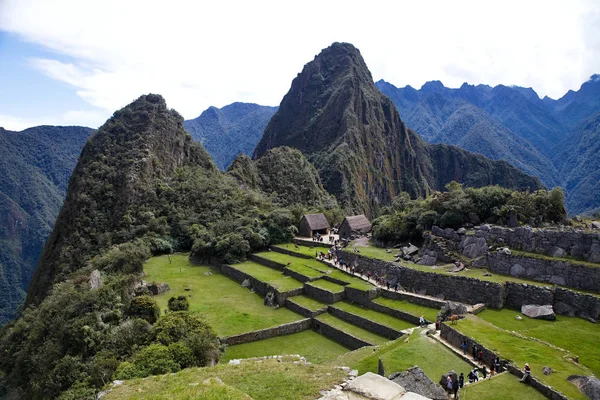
(588, 385)
(416, 381)
(539, 312)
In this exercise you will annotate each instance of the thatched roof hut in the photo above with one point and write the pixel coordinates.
(313, 223)
(354, 225)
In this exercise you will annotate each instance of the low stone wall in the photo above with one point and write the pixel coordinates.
(281, 330)
(291, 253)
(334, 280)
(365, 323)
(518, 294)
(348, 340)
(323, 295)
(558, 272)
(306, 312)
(585, 245)
(393, 312)
(298, 276)
(311, 243)
(455, 338)
(583, 305)
(422, 301)
(360, 296)
(266, 262)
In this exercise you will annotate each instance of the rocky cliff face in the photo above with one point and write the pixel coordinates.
(362, 149)
(112, 182)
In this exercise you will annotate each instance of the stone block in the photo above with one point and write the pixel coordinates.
(373, 386)
(556, 251)
(517, 270)
(538, 312)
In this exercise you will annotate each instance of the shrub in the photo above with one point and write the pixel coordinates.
(176, 326)
(179, 303)
(144, 307)
(153, 360)
(126, 258)
(182, 355)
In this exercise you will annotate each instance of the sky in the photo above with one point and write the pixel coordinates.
(74, 62)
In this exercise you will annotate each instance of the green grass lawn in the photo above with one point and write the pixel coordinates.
(522, 350)
(375, 252)
(431, 356)
(574, 334)
(308, 302)
(501, 387)
(408, 307)
(230, 308)
(353, 330)
(375, 316)
(265, 380)
(268, 275)
(326, 285)
(309, 344)
(305, 271)
(301, 249)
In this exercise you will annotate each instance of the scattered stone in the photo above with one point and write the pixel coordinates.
(95, 280)
(505, 250)
(474, 246)
(409, 250)
(556, 251)
(518, 317)
(539, 312)
(588, 385)
(547, 370)
(208, 273)
(577, 218)
(461, 231)
(353, 373)
(157, 288)
(235, 362)
(428, 260)
(373, 386)
(451, 308)
(246, 283)
(485, 228)
(416, 381)
(595, 225)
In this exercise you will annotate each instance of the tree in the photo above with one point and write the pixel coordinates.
(179, 303)
(144, 307)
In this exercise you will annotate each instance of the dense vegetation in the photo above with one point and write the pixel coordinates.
(141, 187)
(229, 131)
(407, 219)
(363, 151)
(551, 139)
(36, 165)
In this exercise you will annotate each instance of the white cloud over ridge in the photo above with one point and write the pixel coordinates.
(197, 54)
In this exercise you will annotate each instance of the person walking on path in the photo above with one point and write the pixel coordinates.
(492, 369)
(449, 385)
(484, 372)
(463, 346)
(455, 388)
(474, 352)
(461, 380)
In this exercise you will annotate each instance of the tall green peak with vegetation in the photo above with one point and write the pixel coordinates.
(36, 164)
(363, 151)
(141, 187)
(231, 130)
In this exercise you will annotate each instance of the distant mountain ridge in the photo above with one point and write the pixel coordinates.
(511, 123)
(363, 150)
(36, 165)
(231, 130)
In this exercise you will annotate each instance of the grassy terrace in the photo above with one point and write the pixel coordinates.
(306, 271)
(229, 308)
(502, 387)
(431, 356)
(375, 316)
(352, 329)
(308, 302)
(522, 350)
(574, 334)
(326, 285)
(408, 307)
(301, 249)
(316, 348)
(268, 275)
(548, 258)
(259, 380)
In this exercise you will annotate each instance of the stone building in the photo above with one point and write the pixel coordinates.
(356, 225)
(311, 224)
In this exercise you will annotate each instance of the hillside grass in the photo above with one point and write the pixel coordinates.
(307, 302)
(326, 285)
(268, 275)
(574, 334)
(261, 380)
(375, 316)
(408, 307)
(314, 347)
(521, 350)
(228, 307)
(501, 387)
(353, 330)
(410, 350)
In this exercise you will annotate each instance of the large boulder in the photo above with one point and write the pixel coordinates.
(428, 260)
(416, 381)
(373, 386)
(157, 288)
(517, 270)
(95, 280)
(538, 312)
(474, 246)
(595, 225)
(409, 250)
(588, 385)
(451, 308)
(556, 251)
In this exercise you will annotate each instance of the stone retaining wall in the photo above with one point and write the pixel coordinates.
(365, 323)
(266, 262)
(323, 295)
(348, 340)
(518, 294)
(393, 312)
(457, 288)
(558, 272)
(583, 305)
(298, 276)
(281, 330)
(422, 301)
(455, 338)
(291, 253)
(360, 296)
(306, 312)
(334, 280)
(312, 243)
(585, 245)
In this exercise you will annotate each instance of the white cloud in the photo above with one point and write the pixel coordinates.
(197, 54)
(92, 119)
